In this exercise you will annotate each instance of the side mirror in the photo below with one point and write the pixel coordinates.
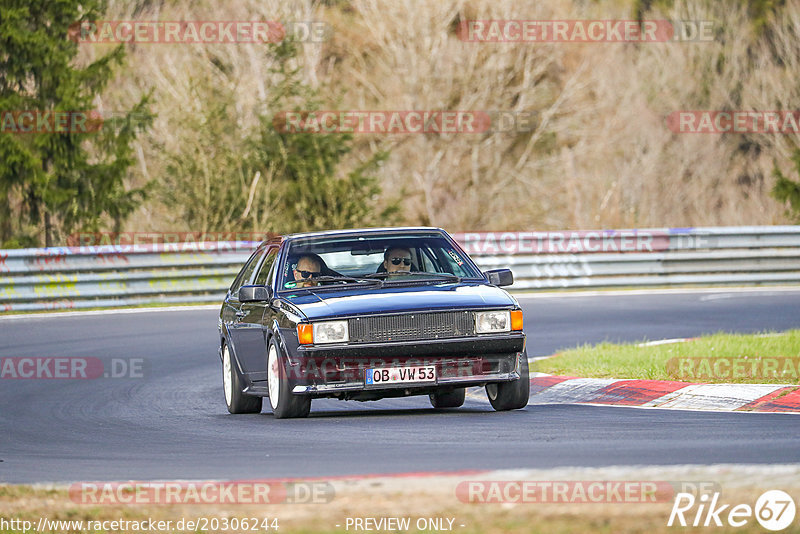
(500, 277)
(253, 294)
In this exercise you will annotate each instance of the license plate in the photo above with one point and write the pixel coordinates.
(400, 375)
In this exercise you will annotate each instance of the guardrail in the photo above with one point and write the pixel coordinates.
(125, 275)
(641, 258)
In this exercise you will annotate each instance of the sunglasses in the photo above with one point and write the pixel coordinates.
(404, 261)
(308, 274)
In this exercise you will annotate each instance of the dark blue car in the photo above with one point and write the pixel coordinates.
(369, 314)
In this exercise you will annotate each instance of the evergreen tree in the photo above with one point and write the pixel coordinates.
(269, 180)
(314, 194)
(56, 183)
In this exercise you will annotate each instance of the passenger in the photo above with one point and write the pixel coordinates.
(397, 260)
(308, 267)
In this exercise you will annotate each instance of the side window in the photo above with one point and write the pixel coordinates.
(247, 271)
(266, 267)
(449, 261)
(428, 259)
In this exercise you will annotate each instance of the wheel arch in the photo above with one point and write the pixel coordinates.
(274, 331)
(224, 339)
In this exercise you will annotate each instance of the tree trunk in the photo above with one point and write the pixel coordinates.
(48, 224)
(6, 232)
(48, 229)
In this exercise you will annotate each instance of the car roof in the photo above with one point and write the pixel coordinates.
(359, 231)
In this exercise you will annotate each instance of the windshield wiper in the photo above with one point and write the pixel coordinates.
(387, 275)
(446, 276)
(328, 278)
(340, 278)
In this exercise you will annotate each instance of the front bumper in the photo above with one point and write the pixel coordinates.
(467, 381)
(463, 362)
(464, 346)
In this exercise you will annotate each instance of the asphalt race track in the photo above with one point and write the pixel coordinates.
(172, 423)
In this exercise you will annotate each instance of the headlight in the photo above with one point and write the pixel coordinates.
(493, 321)
(331, 332)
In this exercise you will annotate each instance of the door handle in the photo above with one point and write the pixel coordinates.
(240, 314)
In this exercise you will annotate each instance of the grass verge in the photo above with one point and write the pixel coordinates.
(766, 358)
(422, 499)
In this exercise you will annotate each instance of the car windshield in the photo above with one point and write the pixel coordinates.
(380, 258)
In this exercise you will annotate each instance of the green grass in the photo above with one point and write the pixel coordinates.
(769, 358)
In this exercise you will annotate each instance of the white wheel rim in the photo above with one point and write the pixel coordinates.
(226, 375)
(273, 377)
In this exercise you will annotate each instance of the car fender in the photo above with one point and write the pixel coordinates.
(279, 333)
(225, 338)
(275, 331)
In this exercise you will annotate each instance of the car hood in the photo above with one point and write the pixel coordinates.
(356, 301)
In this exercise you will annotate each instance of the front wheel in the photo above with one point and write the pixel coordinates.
(512, 395)
(284, 404)
(235, 400)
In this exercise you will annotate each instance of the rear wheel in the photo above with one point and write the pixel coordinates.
(284, 403)
(448, 399)
(512, 395)
(236, 401)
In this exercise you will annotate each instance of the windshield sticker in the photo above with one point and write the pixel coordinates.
(453, 255)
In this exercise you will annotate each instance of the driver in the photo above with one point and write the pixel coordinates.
(308, 267)
(397, 260)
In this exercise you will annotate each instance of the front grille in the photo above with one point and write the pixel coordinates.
(411, 326)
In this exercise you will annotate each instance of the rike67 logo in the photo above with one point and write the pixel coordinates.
(774, 510)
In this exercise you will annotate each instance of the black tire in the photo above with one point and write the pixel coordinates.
(235, 400)
(448, 399)
(512, 395)
(285, 404)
